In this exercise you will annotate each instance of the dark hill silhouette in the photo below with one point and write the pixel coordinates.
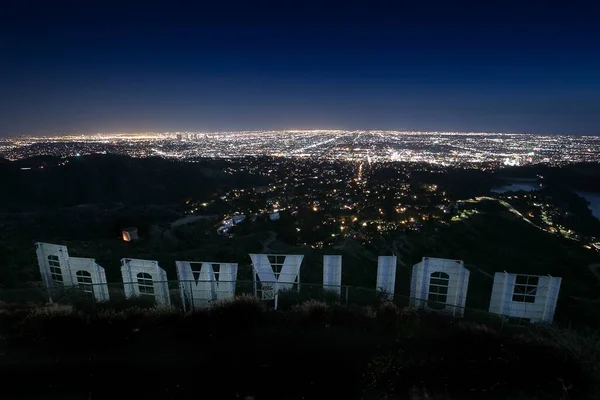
(580, 176)
(110, 178)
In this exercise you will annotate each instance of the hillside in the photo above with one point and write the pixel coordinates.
(94, 197)
(489, 239)
(239, 348)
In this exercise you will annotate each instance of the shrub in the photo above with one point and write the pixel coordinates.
(122, 303)
(352, 316)
(49, 324)
(387, 309)
(582, 344)
(237, 312)
(312, 311)
(289, 298)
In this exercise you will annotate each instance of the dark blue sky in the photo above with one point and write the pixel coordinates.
(526, 66)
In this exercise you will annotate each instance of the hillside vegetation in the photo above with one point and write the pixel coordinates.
(241, 348)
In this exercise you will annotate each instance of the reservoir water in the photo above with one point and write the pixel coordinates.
(593, 198)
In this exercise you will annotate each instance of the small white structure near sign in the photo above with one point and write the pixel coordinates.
(58, 270)
(332, 274)
(274, 216)
(440, 284)
(530, 297)
(386, 275)
(275, 272)
(130, 234)
(145, 278)
(202, 282)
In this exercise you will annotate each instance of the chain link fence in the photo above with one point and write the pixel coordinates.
(187, 295)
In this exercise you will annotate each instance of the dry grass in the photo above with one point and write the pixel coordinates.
(239, 302)
(311, 307)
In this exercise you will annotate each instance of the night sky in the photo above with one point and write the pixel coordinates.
(526, 66)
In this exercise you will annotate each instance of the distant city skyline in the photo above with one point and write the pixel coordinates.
(140, 133)
(442, 148)
(507, 67)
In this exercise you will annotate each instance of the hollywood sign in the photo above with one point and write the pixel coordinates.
(438, 285)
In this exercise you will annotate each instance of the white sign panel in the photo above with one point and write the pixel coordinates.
(202, 282)
(386, 275)
(531, 297)
(59, 270)
(440, 285)
(332, 273)
(145, 278)
(89, 276)
(277, 271)
(53, 261)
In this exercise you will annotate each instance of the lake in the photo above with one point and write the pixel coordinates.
(594, 199)
(515, 187)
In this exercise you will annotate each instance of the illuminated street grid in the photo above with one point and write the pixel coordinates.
(445, 148)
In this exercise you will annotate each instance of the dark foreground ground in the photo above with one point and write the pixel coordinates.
(314, 350)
